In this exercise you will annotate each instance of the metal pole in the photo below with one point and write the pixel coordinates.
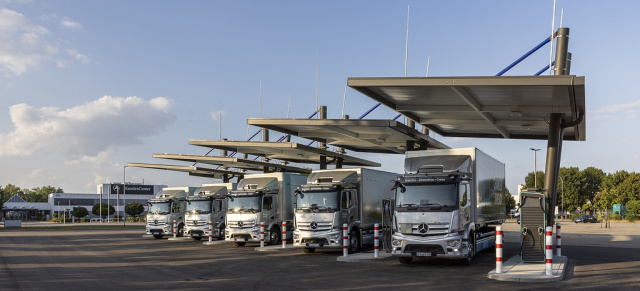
(376, 240)
(124, 194)
(498, 249)
(284, 234)
(558, 240)
(210, 232)
(562, 45)
(549, 250)
(345, 240)
(174, 229)
(535, 167)
(262, 234)
(553, 162)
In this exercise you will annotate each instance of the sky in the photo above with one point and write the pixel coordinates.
(87, 86)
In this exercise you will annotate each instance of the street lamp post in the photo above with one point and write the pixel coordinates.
(535, 167)
(562, 180)
(124, 193)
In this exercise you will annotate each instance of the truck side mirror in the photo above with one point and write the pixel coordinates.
(298, 192)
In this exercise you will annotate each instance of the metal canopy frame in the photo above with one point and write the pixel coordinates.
(193, 171)
(376, 136)
(232, 162)
(516, 107)
(285, 151)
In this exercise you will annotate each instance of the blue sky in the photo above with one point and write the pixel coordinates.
(88, 86)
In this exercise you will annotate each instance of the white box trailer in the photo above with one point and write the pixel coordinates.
(331, 198)
(447, 204)
(260, 198)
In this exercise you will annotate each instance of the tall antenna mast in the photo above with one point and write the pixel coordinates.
(317, 105)
(561, 17)
(220, 119)
(344, 99)
(553, 28)
(406, 47)
(428, 60)
(289, 106)
(260, 98)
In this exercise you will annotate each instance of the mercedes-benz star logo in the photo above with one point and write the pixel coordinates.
(314, 225)
(423, 228)
(155, 221)
(240, 223)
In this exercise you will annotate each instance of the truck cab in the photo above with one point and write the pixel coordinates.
(265, 198)
(166, 207)
(207, 205)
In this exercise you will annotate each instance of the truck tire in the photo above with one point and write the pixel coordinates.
(309, 250)
(274, 236)
(221, 232)
(354, 242)
(405, 260)
(180, 233)
(471, 248)
(157, 236)
(239, 244)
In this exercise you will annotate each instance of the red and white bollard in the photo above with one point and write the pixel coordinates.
(210, 231)
(284, 234)
(558, 240)
(549, 250)
(345, 240)
(376, 240)
(498, 249)
(174, 229)
(262, 234)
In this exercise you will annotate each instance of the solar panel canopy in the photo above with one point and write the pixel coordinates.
(486, 107)
(363, 135)
(232, 162)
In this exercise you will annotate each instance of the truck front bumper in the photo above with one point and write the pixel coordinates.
(320, 239)
(449, 247)
(157, 230)
(244, 235)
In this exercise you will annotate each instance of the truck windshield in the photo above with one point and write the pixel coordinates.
(160, 208)
(318, 200)
(199, 206)
(427, 197)
(244, 204)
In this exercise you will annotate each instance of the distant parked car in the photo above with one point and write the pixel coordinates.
(586, 218)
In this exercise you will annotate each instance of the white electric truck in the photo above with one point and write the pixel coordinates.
(332, 198)
(266, 198)
(208, 204)
(447, 205)
(168, 206)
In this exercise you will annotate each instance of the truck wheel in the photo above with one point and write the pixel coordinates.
(471, 249)
(221, 232)
(239, 244)
(309, 250)
(405, 260)
(274, 236)
(354, 242)
(180, 233)
(157, 236)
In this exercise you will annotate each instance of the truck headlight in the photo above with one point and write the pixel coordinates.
(295, 236)
(396, 242)
(453, 243)
(335, 236)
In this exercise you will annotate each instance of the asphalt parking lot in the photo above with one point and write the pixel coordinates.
(108, 259)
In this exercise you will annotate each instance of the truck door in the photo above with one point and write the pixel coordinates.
(465, 202)
(218, 213)
(348, 209)
(269, 208)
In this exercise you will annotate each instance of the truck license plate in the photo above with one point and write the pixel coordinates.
(313, 245)
(423, 254)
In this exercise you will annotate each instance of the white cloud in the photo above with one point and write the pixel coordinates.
(85, 133)
(68, 23)
(617, 112)
(22, 45)
(83, 59)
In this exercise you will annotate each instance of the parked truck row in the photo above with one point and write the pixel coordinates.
(446, 205)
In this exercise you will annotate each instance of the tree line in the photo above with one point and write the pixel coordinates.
(37, 194)
(591, 188)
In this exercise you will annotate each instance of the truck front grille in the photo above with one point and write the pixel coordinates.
(314, 226)
(242, 224)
